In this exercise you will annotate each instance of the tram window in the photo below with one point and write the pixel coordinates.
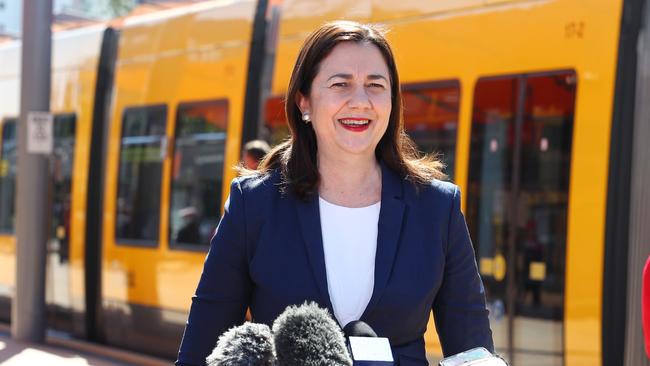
(8, 156)
(61, 173)
(61, 170)
(275, 122)
(143, 148)
(197, 173)
(431, 118)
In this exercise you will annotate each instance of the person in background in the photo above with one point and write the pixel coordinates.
(254, 152)
(189, 233)
(346, 213)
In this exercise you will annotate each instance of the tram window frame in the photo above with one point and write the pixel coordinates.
(215, 103)
(437, 84)
(141, 243)
(5, 121)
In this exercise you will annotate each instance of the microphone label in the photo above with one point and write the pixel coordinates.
(371, 351)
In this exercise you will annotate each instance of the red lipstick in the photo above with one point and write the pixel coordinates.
(355, 124)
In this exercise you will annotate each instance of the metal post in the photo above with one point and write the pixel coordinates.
(639, 231)
(28, 307)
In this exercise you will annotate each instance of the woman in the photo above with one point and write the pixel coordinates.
(345, 214)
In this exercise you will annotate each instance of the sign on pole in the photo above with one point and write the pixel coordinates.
(40, 139)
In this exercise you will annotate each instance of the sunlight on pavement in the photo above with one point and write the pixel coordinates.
(30, 356)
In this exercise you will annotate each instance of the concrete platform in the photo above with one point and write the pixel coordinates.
(58, 351)
(14, 353)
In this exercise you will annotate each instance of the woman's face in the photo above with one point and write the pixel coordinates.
(350, 100)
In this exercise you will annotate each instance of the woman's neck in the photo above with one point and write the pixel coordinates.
(350, 181)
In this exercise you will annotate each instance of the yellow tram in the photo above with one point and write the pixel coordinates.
(524, 100)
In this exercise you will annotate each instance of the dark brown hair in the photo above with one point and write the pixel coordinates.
(296, 157)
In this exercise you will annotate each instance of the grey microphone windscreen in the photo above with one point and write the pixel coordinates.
(249, 344)
(307, 335)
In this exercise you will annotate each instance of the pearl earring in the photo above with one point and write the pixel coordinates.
(306, 117)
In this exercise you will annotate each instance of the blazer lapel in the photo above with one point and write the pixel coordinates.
(309, 218)
(391, 217)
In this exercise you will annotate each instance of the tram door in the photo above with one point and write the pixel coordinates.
(517, 201)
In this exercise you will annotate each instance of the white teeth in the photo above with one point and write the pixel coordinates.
(355, 122)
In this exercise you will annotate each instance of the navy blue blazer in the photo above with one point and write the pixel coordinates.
(267, 254)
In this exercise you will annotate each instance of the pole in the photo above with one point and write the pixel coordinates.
(28, 306)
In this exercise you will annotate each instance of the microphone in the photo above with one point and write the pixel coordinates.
(307, 335)
(365, 347)
(357, 328)
(249, 344)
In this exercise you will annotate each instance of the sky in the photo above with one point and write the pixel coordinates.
(11, 12)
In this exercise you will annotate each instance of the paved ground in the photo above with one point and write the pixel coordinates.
(14, 353)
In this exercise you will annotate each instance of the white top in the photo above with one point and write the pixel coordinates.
(350, 245)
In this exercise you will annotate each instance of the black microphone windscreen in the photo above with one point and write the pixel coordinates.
(357, 328)
(307, 335)
(249, 344)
